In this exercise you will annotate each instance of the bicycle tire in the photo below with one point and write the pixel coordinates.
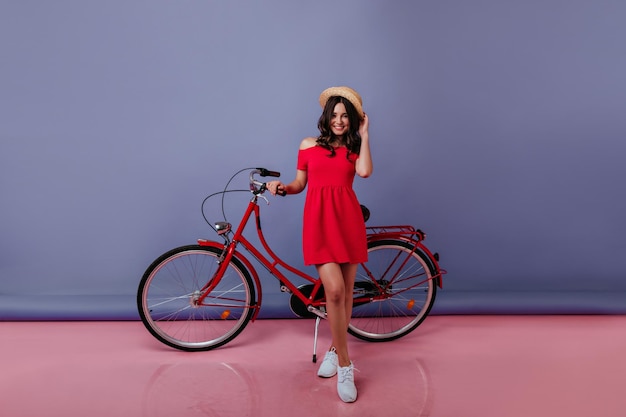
(168, 288)
(405, 276)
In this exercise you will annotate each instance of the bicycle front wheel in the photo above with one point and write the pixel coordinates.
(169, 293)
(396, 290)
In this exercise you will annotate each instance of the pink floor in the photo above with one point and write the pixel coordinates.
(451, 366)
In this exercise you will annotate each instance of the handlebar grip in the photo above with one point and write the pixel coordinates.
(267, 173)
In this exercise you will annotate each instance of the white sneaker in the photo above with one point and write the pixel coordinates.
(328, 368)
(345, 384)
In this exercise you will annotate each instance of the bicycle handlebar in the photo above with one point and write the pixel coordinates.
(258, 187)
(267, 173)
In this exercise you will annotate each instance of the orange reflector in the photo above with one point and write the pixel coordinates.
(410, 304)
(225, 314)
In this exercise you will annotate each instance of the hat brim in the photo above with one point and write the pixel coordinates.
(345, 92)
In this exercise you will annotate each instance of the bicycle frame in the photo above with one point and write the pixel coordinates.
(229, 250)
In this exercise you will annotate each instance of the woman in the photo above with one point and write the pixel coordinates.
(334, 236)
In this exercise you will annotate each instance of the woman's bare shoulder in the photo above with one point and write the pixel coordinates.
(308, 143)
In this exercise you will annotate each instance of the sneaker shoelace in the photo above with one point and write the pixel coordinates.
(346, 373)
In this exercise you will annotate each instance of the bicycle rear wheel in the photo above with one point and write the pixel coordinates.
(170, 287)
(401, 297)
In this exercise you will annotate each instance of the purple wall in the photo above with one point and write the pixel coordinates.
(496, 126)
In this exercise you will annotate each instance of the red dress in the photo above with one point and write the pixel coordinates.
(333, 226)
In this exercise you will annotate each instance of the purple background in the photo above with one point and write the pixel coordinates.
(496, 126)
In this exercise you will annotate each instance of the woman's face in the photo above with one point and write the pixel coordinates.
(339, 123)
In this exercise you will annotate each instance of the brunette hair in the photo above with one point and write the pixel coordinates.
(352, 139)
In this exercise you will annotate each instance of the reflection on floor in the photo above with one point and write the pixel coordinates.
(451, 366)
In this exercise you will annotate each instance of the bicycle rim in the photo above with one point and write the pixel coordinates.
(173, 283)
(400, 299)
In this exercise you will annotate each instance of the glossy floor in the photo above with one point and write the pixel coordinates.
(451, 366)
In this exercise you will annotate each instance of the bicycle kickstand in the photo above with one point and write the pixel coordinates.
(317, 324)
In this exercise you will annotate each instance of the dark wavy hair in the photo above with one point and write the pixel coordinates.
(352, 139)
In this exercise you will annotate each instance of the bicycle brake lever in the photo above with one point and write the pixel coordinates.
(264, 198)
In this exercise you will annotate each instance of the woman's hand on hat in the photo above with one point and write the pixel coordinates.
(364, 125)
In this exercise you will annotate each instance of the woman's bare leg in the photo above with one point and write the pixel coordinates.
(338, 283)
(349, 275)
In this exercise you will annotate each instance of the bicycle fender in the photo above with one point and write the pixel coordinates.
(247, 264)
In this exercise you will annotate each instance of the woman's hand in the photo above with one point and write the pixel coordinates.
(275, 187)
(364, 125)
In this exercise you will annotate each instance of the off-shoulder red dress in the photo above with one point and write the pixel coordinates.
(333, 226)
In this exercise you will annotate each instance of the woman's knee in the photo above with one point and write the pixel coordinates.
(333, 280)
(335, 294)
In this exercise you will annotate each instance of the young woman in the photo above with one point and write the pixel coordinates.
(334, 236)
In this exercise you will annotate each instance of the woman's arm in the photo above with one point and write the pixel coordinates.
(294, 187)
(363, 165)
(299, 183)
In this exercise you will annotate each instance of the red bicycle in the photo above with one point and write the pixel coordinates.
(199, 297)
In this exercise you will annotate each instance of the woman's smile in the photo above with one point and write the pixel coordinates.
(339, 122)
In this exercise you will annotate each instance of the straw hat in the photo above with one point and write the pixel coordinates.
(345, 92)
